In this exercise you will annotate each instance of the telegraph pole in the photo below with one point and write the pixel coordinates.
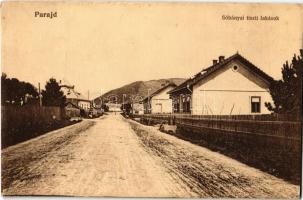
(101, 99)
(148, 106)
(123, 101)
(40, 96)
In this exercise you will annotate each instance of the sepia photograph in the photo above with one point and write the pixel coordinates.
(151, 99)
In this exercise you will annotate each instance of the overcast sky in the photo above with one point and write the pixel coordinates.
(102, 46)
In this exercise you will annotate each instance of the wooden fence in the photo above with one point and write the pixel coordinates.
(19, 123)
(266, 125)
(14, 116)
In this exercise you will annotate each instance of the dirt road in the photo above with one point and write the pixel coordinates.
(107, 159)
(112, 156)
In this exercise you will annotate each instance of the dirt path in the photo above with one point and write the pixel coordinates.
(113, 156)
(105, 160)
(210, 174)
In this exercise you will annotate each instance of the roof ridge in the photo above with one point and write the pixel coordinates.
(160, 89)
(215, 67)
(181, 86)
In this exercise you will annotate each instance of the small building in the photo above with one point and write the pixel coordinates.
(76, 98)
(137, 108)
(231, 86)
(71, 110)
(159, 101)
(114, 107)
(133, 106)
(84, 104)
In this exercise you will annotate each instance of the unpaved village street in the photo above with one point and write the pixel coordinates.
(113, 156)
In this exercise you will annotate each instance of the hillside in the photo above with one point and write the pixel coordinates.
(138, 89)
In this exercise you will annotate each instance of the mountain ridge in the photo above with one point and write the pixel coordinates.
(136, 90)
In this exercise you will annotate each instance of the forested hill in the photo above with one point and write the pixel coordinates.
(139, 89)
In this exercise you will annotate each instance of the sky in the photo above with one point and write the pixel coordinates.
(101, 46)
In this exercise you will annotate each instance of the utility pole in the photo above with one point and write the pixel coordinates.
(101, 99)
(116, 98)
(132, 104)
(148, 104)
(123, 102)
(88, 94)
(40, 96)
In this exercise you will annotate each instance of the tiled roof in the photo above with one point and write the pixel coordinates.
(159, 90)
(207, 71)
(70, 93)
(73, 105)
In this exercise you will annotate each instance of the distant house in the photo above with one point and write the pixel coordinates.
(76, 98)
(228, 87)
(137, 108)
(114, 107)
(159, 101)
(71, 110)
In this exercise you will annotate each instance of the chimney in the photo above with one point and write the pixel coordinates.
(221, 59)
(215, 62)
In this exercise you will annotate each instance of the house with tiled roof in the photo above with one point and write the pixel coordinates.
(231, 86)
(75, 98)
(159, 101)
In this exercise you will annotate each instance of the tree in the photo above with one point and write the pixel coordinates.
(126, 108)
(287, 93)
(52, 95)
(17, 92)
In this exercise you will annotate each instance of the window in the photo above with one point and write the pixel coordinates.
(176, 107)
(186, 104)
(255, 104)
(235, 68)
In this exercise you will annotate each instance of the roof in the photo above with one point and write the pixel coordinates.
(73, 105)
(71, 93)
(160, 90)
(209, 70)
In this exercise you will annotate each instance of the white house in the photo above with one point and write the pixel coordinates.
(75, 97)
(231, 86)
(84, 104)
(137, 108)
(159, 101)
(114, 107)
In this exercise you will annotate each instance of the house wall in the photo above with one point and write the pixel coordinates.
(229, 92)
(114, 107)
(84, 105)
(161, 103)
(71, 100)
(161, 106)
(138, 108)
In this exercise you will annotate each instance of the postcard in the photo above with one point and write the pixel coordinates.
(151, 99)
